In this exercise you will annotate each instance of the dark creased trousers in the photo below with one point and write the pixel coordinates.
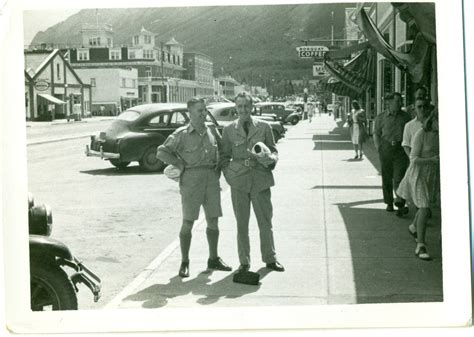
(394, 163)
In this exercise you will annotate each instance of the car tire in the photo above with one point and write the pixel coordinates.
(119, 164)
(149, 162)
(294, 120)
(50, 285)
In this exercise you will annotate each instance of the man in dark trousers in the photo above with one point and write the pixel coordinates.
(250, 178)
(194, 150)
(388, 136)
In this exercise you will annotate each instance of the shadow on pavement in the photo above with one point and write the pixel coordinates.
(351, 187)
(113, 171)
(385, 269)
(158, 295)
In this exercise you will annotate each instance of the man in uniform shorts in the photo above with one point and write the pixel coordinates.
(194, 150)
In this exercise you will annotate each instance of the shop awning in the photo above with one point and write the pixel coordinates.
(423, 14)
(52, 99)
(352, 78)
(415, 62)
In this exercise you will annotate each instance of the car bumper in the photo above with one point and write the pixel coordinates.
(101, 153)
(85, 276)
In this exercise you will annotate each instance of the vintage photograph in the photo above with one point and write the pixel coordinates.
(233, 156)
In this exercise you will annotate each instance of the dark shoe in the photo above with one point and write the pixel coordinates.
(402, 211)
(390, 208)
(218, 264)
(184, 269)
(276, 266)
(399, 203)
(243, 268)
(360, 156)
(356, 156)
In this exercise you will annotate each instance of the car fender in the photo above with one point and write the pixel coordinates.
(133, 145)
(291, 115)
(46, 249)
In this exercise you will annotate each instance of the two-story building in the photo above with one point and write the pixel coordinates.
(53, 89)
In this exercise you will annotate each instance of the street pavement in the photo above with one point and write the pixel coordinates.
(61, 130)
(332, 234)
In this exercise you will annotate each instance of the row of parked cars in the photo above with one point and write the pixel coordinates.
(136, 133)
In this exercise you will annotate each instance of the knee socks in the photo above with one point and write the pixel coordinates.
(212, 239)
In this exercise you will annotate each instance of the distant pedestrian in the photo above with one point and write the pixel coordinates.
(250, 178)
(421, 182)
(388, 135)
(193, 149)
(358, 124)
(310, 111)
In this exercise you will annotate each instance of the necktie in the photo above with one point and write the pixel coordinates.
(246, 127)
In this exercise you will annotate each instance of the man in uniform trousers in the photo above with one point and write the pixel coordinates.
(194, 150)
(388, 136)
(250, 178)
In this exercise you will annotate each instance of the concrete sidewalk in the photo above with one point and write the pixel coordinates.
(332, 234)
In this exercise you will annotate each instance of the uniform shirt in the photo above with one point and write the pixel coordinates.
(410, 130)
(389, 125)
(193, 148)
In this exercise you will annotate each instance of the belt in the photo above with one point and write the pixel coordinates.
(393, 142)
(248, 162)
(210, 166)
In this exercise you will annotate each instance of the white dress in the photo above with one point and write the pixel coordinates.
(355, 127)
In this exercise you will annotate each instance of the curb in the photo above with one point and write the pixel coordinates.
(57, 140)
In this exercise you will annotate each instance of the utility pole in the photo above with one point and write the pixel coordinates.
(332, 28)
(162, 51)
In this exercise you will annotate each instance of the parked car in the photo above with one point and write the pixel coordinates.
(51, 287)
(283, 114)
(225, 113)
(136, 133)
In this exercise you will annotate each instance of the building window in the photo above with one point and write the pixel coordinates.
(148, 72)
(93, 82)
(109, 42)
(124, 83)
(190, 62)
(131, 54)
(83, 55)
(136, 39)
(169, 58)
(147, 39)
(134, 83)
(115, 54)
(58, 71)
(174, 59)
(178, 60)
(148, 54)
(94, 41)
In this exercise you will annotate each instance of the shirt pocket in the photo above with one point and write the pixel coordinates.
(191, 154)
(239, 148)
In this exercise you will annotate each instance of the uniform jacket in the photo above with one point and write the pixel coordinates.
(234, 151)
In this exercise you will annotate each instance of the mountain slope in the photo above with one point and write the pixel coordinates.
(250, 42)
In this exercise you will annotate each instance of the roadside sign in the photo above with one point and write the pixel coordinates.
(311, 51)
(318, 69)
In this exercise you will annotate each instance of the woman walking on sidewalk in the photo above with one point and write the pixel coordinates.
(357, 123)
(421, 181)
(310, 111)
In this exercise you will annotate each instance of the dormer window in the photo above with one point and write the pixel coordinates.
(147, 39)
(136, 39)
(83, 55)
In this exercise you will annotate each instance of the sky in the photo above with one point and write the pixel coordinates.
(35, 21)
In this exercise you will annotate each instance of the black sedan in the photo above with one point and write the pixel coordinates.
(136, 133)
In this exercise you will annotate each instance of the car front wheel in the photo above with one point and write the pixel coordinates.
(119, 164)
(294, 120)
(149, 162)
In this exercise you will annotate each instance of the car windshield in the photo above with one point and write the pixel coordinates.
(129, 115)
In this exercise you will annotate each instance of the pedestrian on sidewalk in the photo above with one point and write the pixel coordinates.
(358, 124)
(421, 182)
(310, 111)
(193, 149)
(388, 135)
(250, 178)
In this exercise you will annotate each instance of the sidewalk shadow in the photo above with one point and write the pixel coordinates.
(385, 269)
(158, 295)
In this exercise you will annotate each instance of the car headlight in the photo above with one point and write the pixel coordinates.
(40, 220)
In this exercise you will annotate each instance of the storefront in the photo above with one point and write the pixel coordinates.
(53, 90)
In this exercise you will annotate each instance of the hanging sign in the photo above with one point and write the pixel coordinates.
(318, 69)
(311, 51)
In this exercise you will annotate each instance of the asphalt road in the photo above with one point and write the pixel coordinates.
(116, 221)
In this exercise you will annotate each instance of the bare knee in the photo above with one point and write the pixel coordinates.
(212, 223)
(186, 227)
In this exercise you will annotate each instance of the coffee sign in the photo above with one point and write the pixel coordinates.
(41, 85)
(311, 51)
